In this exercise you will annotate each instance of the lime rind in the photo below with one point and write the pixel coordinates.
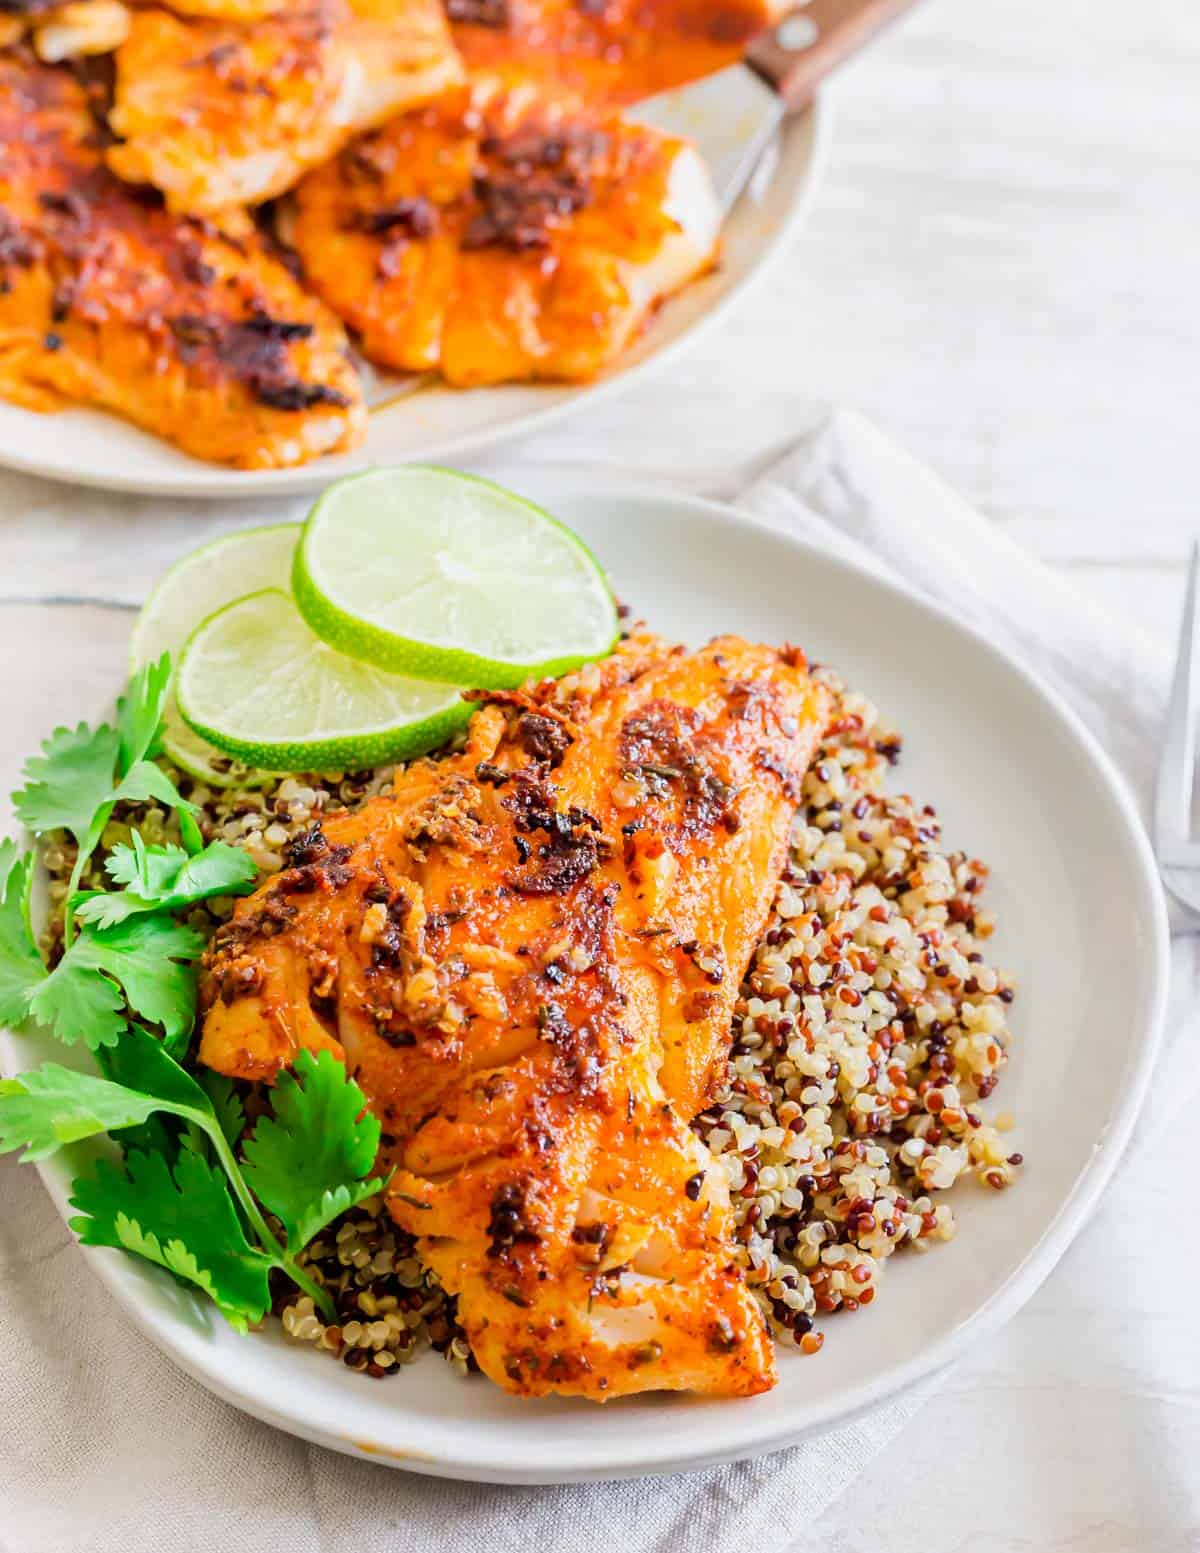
(201, 759)
(353, 752)
(320, 593)
(182, 598)
(255, 682)
(165, 623)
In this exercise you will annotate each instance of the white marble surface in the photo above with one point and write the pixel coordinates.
(1002, 270)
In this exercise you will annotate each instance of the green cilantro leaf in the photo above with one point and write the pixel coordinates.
(145, 782)
(69, 781)
(166, 879)
(226, 1103)
(53, 1106)
(21, 967)
(150, 957)
(182, 1199)
(158, 1134)
(149, 871)
(308, 1160)
(78, 1005)
(189, 831)
(141, 1062)
(140, 713)
(143, 957)
(182, 1217)
(83, 773)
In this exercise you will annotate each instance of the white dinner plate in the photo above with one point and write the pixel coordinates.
(1017, 781)
(437, 424)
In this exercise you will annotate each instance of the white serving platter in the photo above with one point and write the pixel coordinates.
(434, 423)
(1017, 781)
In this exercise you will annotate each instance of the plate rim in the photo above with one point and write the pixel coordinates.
(742, 1440)
(214, 482)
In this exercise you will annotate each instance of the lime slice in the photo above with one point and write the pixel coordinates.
(207, 579)
(445, 576)
(194, 588)
(258, 684)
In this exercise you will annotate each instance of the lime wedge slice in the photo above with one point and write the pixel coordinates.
(258, 684)
(194, 588)
(444, 576)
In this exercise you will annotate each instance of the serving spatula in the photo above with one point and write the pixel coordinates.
(732, 116)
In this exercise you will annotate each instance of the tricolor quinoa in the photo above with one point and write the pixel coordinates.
(868, 1030)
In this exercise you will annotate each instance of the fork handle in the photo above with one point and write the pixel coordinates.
(801, 50)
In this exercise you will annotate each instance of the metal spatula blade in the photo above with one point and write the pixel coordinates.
(733, 116)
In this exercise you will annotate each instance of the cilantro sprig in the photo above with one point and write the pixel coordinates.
(198, 1209)
(182, 1217)
(142, 961)
(164, 878)
(193, 1188)
(83, 773)
(308, 1162)
(122, 950)
(21, 966)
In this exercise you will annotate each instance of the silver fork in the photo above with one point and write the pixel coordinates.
(1178, 855)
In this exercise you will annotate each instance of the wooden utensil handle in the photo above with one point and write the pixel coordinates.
(800, 51)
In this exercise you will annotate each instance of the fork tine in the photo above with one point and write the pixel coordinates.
(1176, 767)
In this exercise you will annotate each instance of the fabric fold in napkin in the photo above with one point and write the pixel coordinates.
(108, 1447)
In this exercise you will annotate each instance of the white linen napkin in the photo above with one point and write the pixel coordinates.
(107, 1447)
